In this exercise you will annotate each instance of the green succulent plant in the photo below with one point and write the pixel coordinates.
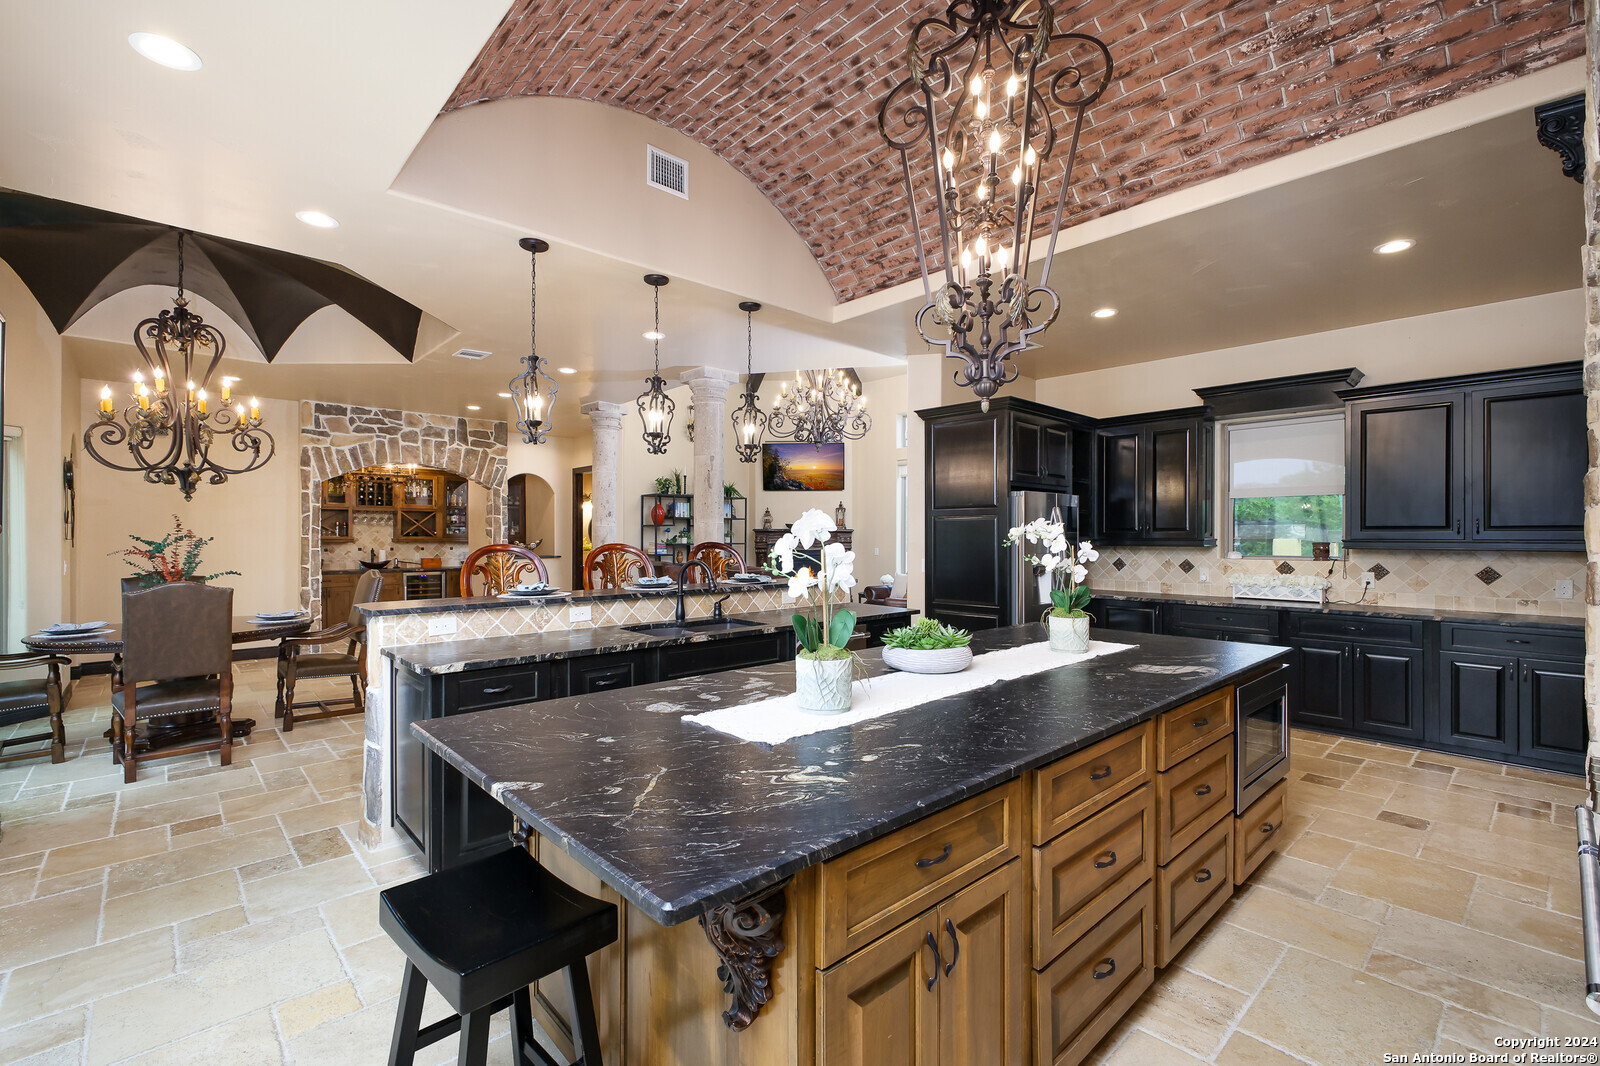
(927, 634)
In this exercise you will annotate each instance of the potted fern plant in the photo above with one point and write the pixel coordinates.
(823, 666)
(928, 646)
(1065, 567)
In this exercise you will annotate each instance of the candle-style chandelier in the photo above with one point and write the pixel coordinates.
(989, 96)
(822, 407)
(535, 398)
(655, 406)
(749, 420)
(167, 427)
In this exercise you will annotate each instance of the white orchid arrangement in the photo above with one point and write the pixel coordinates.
(1066, 564)
(823, 638)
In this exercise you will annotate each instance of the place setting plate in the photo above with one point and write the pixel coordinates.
(749, 579)
(74, 630)
(528, 592)
(652, 584)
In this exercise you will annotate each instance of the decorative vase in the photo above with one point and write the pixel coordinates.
(822, 686)
(928, 660)
(1070, 635)
(766, 518)
(658, 513)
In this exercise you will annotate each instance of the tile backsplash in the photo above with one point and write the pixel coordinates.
(1501, 582)
(375, 530)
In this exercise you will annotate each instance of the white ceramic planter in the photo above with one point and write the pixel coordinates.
(928, 660)
(1070, 635)
(822, 686)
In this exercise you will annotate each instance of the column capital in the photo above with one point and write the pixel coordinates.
(709, 384)
(600, 412)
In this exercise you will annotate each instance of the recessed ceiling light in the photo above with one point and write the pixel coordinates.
(473, 407)
(319, 219)
(1400, 244)
(164, 50)
(566, 370)
(654, 335)
(504, 395)
(1103, 312)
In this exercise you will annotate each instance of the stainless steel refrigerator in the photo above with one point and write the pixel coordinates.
(1027, 605)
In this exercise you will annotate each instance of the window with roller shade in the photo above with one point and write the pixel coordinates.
(1285, 481)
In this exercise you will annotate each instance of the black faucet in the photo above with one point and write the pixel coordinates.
(702, 564)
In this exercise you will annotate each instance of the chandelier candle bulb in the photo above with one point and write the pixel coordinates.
(200, 401)
(161, 382)
(105, 400)
(255, 409)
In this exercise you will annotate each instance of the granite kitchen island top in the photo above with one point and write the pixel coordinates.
(679, 818)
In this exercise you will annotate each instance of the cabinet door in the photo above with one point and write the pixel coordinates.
(982, 996)
(1388, 691)
(1026, 443)
(1129, 617)
(1055, 455)
(1552, 726)
(604, 672)
(879, 1006)
(1118, 506)
(1477, 704)
(1530, 452)
(1324, 691)
(337, 598)
(1405, 480)
(1171, 510)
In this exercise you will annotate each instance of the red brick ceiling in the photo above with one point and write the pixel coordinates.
(787, 92)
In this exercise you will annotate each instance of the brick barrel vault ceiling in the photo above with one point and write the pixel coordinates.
(787, 93)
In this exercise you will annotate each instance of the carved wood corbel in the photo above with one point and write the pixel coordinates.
(747, 936)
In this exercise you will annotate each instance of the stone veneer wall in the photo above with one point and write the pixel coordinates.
(1501, 582)
(336, 439)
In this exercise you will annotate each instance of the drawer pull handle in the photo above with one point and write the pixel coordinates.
(955, 947)
(1203, 876)
(1201, 723)
(1112, 861)
(1110, 968)
(1514, 640)
(1100, 774)
(1203, 790)
(923, 864)
(1267, 827)
(496, 690)
(937, 962)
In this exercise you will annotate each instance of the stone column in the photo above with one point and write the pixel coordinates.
(1591, 385)
(607, 419)
(709, 385)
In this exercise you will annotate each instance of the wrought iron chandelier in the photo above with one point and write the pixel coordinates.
(749, 420)
(823, 407)
(535, 398)
(655, 406)
(987, 102)
(168, 428)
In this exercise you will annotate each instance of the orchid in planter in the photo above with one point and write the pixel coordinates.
(1066, 567)
(823, 664)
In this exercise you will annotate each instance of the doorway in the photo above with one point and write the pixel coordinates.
(582, 518)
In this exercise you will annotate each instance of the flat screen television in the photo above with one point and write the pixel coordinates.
(792, 467)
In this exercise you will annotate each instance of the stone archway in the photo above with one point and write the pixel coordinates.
(336, 439)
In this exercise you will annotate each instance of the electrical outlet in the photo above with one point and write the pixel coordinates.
(582, 614)
(441, 626)
(1202, 576)
(1368, 579)
(1564, 589)
(874, 551)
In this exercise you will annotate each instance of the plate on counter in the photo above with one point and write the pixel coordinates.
(280, 616)
(61, 629)
(750, 579)
(652, 583)
(516, 595)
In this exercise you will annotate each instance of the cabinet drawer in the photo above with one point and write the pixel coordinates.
(1191, 796)
(1192, 888)
(1085, 872)
(1258, 620)
(1257, 831)
(868, 891)
(1507, 640)
(1355, 627)
(1081, 996)
(1071, 789)
(713, 656)
(1193, 727)
(482, 689)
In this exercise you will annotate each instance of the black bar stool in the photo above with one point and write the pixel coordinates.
(480, 934)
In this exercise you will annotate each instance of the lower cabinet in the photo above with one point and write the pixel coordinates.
(1365, 676)
(1512, 708)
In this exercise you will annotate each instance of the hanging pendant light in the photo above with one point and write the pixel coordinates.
(534, 390)
(988, 97)
(749, 421)
(655, 406)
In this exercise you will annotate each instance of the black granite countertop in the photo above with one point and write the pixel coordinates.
(486, 653)
(1376, 610)
(478, 603)
(679, 818)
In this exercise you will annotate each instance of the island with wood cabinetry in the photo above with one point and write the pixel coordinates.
(990, 877)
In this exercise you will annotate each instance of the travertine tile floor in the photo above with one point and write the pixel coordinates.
(230, 915)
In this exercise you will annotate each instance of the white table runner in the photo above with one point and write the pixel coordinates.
(778, 719)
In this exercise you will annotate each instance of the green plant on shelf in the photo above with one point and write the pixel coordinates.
(664, 485)
(928, 634)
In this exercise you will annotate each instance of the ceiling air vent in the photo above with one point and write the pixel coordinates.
(470, 353)
(666, 172)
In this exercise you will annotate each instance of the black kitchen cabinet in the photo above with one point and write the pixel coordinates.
(1249, 624)
(1128, 616)
(1477, 712)
(1512, 694)
(1404, 469)
(1529, 458)
(1387, 686)
(1553, 730)
(599, 673)
(1041, 453)
(729, 653)
(1360, 675)
(1153, 481)
(1326, 699)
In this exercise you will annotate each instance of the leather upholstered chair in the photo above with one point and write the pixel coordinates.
(724, 560)
(610, 566)
(177, 659)
(499, 567)
(28, 699)
(882, 594)
(296, 663)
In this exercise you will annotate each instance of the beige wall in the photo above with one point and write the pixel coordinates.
(553, 462)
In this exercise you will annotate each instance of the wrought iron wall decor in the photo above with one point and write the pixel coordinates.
(534, 390)
(655, 406)
(988, 100)
(168, 427)
(822, 407)
(1560, 129)
(749, 420)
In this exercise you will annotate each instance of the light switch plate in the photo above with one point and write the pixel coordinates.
(441, 626)
(1564, 589)
(582, 614)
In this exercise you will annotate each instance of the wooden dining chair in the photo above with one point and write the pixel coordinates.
(724, 559)
(499, 567)
(177, 659)
(295, 663)
(32, 698)
(611, 566)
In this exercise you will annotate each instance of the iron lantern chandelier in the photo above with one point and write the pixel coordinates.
(824, 407)
(167, 427)
(989, 97)
(749, 420)
(655, 406)
(535, 398)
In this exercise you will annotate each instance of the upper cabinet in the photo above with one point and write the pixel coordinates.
(1153, 483)
(1489, 460)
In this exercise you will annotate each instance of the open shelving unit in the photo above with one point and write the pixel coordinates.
(669, 540)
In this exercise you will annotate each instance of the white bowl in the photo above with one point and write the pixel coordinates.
(928, 660)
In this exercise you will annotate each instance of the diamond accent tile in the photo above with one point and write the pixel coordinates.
(1378, 571)
(1488, 575)
(1285, 567)
(1118, 564)
(1186, 566)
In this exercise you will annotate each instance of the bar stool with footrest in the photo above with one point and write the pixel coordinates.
(480, 934)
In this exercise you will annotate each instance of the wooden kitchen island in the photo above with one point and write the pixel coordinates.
(994, 877)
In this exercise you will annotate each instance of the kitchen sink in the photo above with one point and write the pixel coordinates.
(698, 625)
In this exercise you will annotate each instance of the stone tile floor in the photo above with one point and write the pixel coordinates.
(1424, 903)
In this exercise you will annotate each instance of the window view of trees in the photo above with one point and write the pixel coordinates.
(1287, 525)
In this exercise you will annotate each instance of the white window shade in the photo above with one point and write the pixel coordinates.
(1295, 457)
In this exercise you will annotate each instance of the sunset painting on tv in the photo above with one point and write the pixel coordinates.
(802, 467)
